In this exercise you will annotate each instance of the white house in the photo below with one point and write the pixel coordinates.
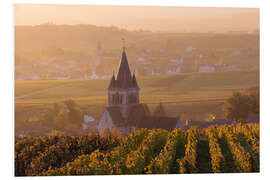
(154, 73)
(174, 71)
(206, 68)
(141, 59)
(88, 122)
(190, 48)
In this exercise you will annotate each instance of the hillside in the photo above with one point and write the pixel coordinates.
(205, 83)
(80, 51)
(84, 37)
(192, 94)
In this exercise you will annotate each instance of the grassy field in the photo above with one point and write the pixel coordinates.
(196, 94)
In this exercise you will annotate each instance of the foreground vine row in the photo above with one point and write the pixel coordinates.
(144, 151)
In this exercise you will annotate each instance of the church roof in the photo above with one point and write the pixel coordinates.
(136, 113)
(151, 122)
(124, 78)
(134, 81)
(140, 117)
(116, 116)
(113, 82)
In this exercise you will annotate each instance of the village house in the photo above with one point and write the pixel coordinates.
(124, 111)
(206, 68)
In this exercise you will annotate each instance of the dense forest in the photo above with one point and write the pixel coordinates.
(228, 148)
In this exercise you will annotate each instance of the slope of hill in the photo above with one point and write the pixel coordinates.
(192, 94)
(228, 81)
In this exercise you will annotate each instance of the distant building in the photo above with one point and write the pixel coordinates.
(225, 67)
(125, 112)
(88, 123)
(205, 124)
(252, 118)
(190, 48)
(236, 52)
(206, 68)
(175, 70)
(177, 60)
(141, 59)
(154, 72)
(63, 77)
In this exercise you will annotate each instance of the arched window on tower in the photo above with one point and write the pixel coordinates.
(121, 99)
(117, 98)
(130, 98)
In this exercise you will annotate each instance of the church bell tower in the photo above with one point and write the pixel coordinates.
(123, 90)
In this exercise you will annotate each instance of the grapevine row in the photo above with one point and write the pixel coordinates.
(138, 160)
(217, 158)
(101, 163)
(188, 163)
(163, 162)
(241, 157)
(55, 151)
(28, 148)
(252, 142)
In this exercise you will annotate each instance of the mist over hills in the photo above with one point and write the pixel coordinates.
(85, 37)
(153, 18)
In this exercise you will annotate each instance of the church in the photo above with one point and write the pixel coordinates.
(124, 111)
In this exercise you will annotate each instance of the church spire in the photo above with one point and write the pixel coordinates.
(124, 75)
(134, 81)
(113, 82)
(124, 45)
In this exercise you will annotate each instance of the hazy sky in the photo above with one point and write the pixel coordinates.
(141, 17)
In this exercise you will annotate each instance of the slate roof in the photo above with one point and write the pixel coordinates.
(151, 122)
(124, 78)
(140, 117)
(136, 113)
(116, 116)
(112, 83)
(134, 81)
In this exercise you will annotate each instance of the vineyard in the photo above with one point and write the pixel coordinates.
(216, 149)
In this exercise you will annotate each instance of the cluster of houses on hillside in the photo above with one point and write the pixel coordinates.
(97, 67)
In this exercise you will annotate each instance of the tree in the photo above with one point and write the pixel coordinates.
(106, 133)
(116, 133)
(64, 116)
(237, 107)
(159, 111)
(254, 99)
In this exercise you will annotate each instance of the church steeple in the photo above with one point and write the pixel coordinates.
(124, 75)
(113, 82)
(123, 89)
(134, 81)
